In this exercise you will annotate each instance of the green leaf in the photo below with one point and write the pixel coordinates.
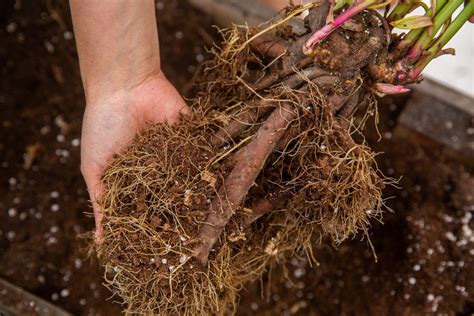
(413, 22)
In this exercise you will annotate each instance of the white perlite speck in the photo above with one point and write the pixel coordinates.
(450, 236)
(55, 207)
(54, 194)
(12, 212)
(75, 142)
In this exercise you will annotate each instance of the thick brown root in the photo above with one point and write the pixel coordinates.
(289, 69)
(241, 121)
(271, 202)
(242, 177)
(269, 45)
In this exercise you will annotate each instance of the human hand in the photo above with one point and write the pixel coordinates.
(125, 90)
(111, 121)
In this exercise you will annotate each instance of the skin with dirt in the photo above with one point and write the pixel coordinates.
(431, 193)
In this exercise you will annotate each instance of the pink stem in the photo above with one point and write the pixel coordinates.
(321, 34)
(387, 88)
(414, 53)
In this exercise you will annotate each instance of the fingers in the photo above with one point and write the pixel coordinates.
(95, 189)
(95, 195)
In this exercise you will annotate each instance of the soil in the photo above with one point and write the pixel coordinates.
(424, 249)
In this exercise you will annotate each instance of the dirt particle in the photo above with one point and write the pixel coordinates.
(450, 236)
(12, 212)
(12, 182)
(11, 27)
(68, 35)
(54, 194)
(49, 46)
(60, 138)
(75, 142)
(11, 235)
(254, 306)
(55, 207)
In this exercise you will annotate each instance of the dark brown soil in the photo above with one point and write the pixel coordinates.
(425, 256)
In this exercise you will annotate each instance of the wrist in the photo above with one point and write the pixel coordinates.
(117, 43)
(119, 81)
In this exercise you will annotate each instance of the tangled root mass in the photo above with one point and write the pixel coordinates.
(317, 182)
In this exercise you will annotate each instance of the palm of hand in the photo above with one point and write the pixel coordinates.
(110, 124)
